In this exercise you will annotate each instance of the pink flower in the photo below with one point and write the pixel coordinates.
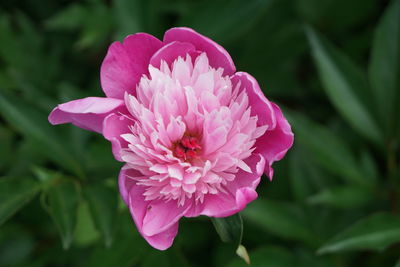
(194, 134)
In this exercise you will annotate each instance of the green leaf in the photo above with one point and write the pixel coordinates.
(32, 124)
(384, 68)
(347, 197)
(128, 16)
(326, 148)
(103, 204)
(345, 86)
(369, 167)
(280, 218)
(398, 263)
(69, 18)
(14, 194)
(6, 148)
(220, 24)
(86, 233)
(63, 200)
(375, 232)
(230, 229)
(97, 26)
(301, 173)
(129, 249)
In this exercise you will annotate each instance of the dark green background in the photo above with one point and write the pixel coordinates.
(332, 65)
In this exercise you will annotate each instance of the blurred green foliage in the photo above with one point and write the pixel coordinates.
(334, 65)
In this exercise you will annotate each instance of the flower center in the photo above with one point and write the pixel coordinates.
(187, 148)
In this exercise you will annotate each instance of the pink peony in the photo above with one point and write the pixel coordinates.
(194, 134)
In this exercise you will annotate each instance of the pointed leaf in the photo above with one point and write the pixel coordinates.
(63, 201)
(299, 175)
(32, 124)
(347, 197)
(280, 218)
(230, 229)
(345, 86)
(103, 204)
(327, 148)
(375, 232)
(384, 68)
(397, 263)
(85, 233)
(220, 23)
(14, 194)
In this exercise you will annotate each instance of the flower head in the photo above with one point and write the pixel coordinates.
(195, 135)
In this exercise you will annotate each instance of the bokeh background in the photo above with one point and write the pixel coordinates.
(333, 65)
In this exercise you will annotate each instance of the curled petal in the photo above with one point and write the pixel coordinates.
(260, 105)
(161, 215)
(218, 56)
(87, 113)
(114, 126)
(139, 209)
(126, 62)
(274, 144)
(127, 178)
(170, 52)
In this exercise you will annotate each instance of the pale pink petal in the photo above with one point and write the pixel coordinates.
(114, 126)
(217, 55)
(126, 62)
(87, 113)
(170, 52)
(260, 105)
(274, 144)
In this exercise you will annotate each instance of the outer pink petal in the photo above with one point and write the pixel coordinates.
(161, 215)
(133, 196)
(240, 192)
(127, 178)
(217, 55)
(138, 208)
(114, 126)
(126, 62)
(260, 105)
(87, 113)
(170, 52)
(274, 144)
(279, 137)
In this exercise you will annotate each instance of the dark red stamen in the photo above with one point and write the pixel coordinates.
(187, 148)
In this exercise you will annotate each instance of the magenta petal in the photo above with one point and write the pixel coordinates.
(164, 240)
(87, 113)
(138, 208)
(260, 105)
(114, 126)
(126, 62)
(161, 215)
(244, 196)
(274, 144)
(217, 55)
(127, 178)
(170, 52)
(240, 192)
